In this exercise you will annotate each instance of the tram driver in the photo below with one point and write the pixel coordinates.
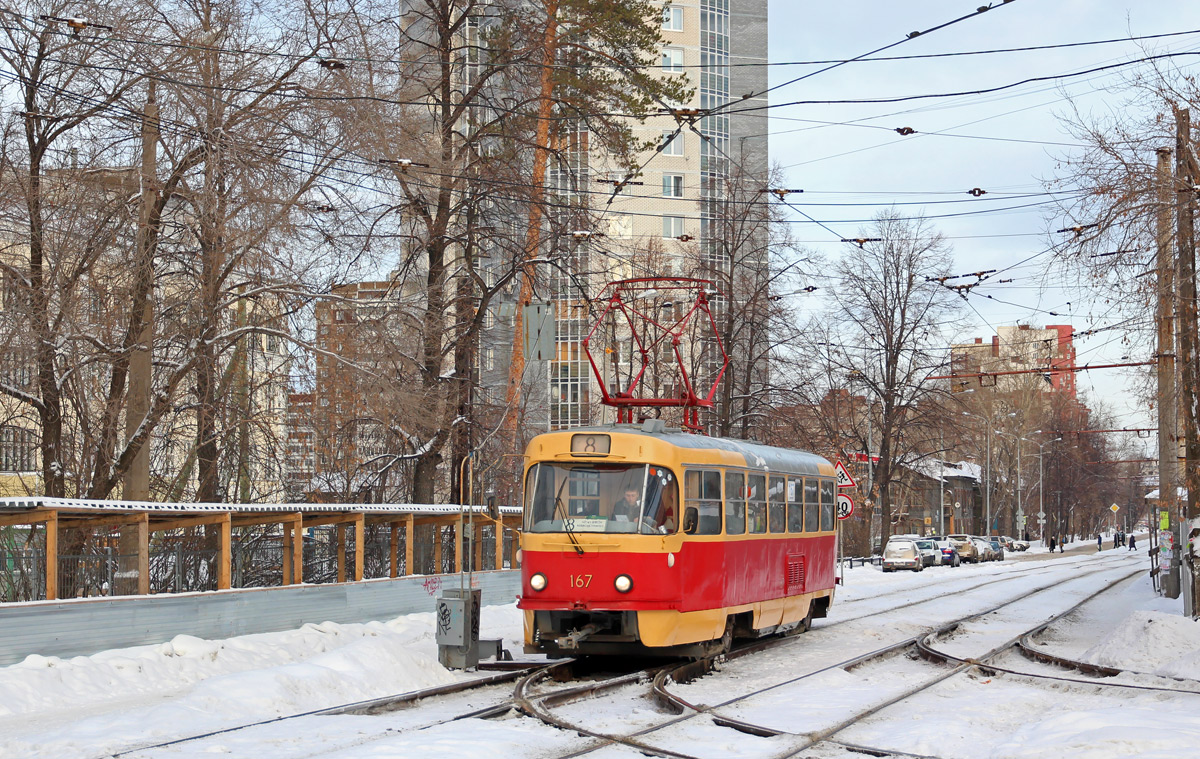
(629, 508)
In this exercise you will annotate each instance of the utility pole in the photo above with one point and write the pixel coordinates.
(136, 485)
(137, 478)
(1167, 442)
(533, 235)
(1186, 271)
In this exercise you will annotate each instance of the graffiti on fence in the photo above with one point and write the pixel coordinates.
(433, 585)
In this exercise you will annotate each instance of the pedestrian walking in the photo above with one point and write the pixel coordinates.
(1116, 540)
(1051, 544)
(1060, 543)
(1132, 543)
(1099, 543)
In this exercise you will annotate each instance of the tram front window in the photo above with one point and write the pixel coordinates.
(633, 498)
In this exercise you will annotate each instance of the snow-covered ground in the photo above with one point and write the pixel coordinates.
(116, 701)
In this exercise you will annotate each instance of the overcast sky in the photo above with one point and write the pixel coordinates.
(1008, 143)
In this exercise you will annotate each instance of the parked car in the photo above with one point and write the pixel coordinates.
(902, 554)
(984, 549)
(966, 549)
(998, 546)
(931, 555)
(1016, 544)
(949, 553)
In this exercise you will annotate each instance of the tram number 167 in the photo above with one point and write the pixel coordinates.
(579, 581)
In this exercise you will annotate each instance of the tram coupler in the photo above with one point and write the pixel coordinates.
(571, 640)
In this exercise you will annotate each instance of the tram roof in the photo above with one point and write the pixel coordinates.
(757, 455)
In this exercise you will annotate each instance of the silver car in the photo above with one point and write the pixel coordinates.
(902, 554)
(985, 550)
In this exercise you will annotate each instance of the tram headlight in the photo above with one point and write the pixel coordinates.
(538, 581)
(623, 583)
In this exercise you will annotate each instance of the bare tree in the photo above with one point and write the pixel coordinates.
(71, 89)
(885, 320)
(749, 254)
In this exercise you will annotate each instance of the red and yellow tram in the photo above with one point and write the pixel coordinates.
(613, 561)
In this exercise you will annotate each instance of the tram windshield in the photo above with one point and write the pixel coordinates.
(570, 497)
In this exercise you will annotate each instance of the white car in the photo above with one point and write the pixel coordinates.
(931, 555)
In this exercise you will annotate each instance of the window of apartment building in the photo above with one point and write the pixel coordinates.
(620, 225)
(16, 368)
(16, 450)
(489, 359)
(672, 226)
(672, 59)
(570, 375)
(672, 185)
(672, 19)
(16, 293)
(672, 143)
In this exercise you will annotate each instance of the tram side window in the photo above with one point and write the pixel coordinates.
(812, 506)
(735, 503)
(702, 502)
(795, 508)
(756, 506)
(777, 505)
(827, 501)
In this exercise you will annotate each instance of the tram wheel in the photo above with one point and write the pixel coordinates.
(806, 623)
(727, 636)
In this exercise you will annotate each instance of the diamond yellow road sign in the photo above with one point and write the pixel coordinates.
(1114, 508)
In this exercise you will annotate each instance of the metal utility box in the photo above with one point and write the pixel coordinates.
(457, 631)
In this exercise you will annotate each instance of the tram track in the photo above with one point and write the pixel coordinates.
(504, 674)
(539, 706)
(637, 739)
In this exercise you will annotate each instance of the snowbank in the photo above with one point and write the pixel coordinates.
(1153, 642)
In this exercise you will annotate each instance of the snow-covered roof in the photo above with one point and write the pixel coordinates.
(1153, 494)
(936, 469)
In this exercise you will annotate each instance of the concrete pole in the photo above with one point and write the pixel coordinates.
(1020, 509)
(136, 482)
(987, 487)
(1168, 441)
(137, 478)
(1189, 394)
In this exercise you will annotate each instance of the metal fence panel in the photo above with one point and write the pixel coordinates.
(84, 626)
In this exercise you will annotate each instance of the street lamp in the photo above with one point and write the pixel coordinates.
(987, 477)
(942, 513)
(1041, 501)
(1020, 509)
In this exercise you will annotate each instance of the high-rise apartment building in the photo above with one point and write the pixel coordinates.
(363, 337)
(1019, 348)
(696, 208)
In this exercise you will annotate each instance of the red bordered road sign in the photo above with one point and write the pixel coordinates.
(845, 506)
(844, 480)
